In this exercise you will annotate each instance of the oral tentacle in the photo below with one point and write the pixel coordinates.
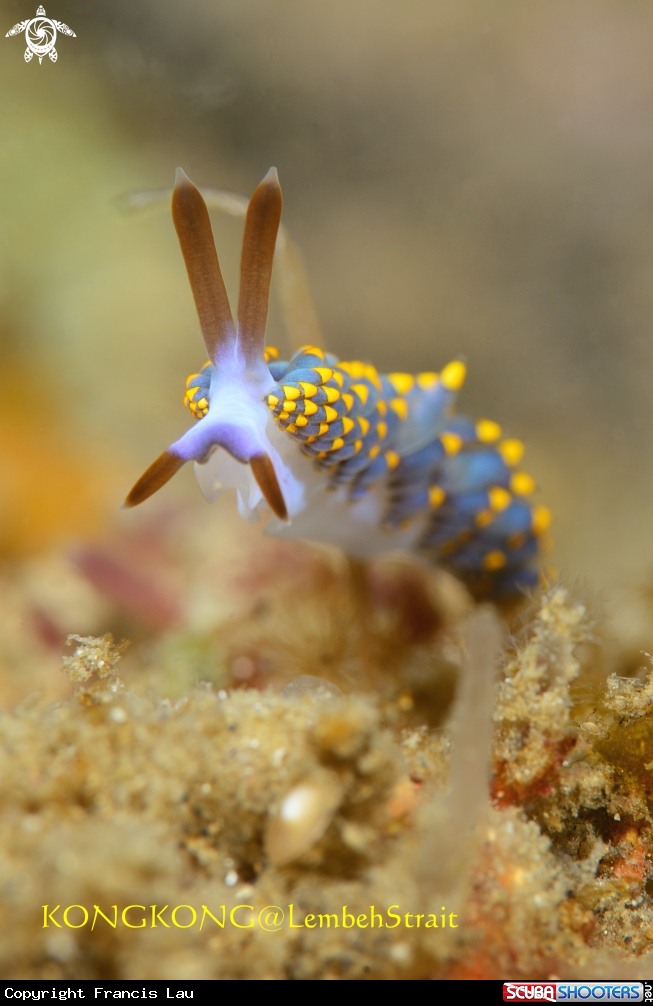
(265, 475)
(195, 445)
(156, 476)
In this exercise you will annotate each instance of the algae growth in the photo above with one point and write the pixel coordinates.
(335, 771)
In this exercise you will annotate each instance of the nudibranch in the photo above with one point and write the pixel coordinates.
(337, 452)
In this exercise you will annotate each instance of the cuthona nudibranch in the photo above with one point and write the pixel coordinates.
(337, 452)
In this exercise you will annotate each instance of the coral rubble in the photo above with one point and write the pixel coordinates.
(318, 799)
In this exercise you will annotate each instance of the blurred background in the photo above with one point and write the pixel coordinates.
(462, 177)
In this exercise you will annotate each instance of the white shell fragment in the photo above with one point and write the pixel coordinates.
(304, 814)
(308, 684)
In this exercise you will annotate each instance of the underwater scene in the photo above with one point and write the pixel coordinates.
(326, 475)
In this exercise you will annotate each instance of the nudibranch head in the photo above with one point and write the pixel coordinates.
(233, 414)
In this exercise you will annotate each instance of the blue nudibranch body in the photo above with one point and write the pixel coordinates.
(339, 453)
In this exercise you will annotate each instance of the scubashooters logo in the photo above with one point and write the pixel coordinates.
(40, 35)
(575, 991)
